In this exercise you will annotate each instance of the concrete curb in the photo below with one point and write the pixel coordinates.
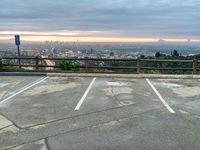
(123, 75)
(23, 74)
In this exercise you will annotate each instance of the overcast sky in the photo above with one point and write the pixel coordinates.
(102, 18)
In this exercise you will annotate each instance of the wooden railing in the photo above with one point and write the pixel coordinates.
(88, 65)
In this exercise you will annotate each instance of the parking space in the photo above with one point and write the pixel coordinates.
(52, 99)
(99, 113)
(134, 94)
(184, 94)
(177, 91)
(10, 85)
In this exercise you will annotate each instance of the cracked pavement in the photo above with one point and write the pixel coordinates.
(117, 113)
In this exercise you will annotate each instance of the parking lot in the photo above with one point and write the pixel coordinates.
(87, 113)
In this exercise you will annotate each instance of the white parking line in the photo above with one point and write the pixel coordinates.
(160, 97)
(24, 89)
(85, 94)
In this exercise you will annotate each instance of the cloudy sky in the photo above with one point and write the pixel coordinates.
(101, 20)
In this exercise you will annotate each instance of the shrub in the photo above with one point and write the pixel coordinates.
(8, 62)
(69, 65)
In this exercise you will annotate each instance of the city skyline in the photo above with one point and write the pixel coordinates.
(101, 21)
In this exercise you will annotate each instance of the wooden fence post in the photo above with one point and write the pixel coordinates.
(1, 64)
(37, 63)
(194, 66)
(138, 66)
(86, 64)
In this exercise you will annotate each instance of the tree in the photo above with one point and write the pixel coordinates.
(175, 53)
(157, 54)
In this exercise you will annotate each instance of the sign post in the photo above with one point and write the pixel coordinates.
(17, 43)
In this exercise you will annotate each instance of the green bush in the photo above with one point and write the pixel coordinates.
(76, 67)
(69, 65)
(8, 62)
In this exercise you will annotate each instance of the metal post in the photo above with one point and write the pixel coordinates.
(17, 43)
(138, 66)
(194, 66)
(19, 55)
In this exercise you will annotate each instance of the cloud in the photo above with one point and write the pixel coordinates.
(122, 18)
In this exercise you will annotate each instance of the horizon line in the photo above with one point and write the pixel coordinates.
(36, 38)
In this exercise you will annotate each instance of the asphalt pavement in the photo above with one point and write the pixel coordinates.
(87, 113)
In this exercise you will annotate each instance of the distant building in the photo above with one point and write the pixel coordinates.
(91, 51)
(175, 53)
(111, 53)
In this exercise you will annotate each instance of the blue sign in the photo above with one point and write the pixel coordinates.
(17, 40)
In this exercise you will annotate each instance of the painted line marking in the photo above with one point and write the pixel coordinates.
(160, 97)
(13, 92)
(84, 95)
(24, 89)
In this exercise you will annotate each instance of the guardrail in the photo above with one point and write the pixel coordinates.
(100, 65)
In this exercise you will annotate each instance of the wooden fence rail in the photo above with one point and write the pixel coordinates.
(86, 64)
